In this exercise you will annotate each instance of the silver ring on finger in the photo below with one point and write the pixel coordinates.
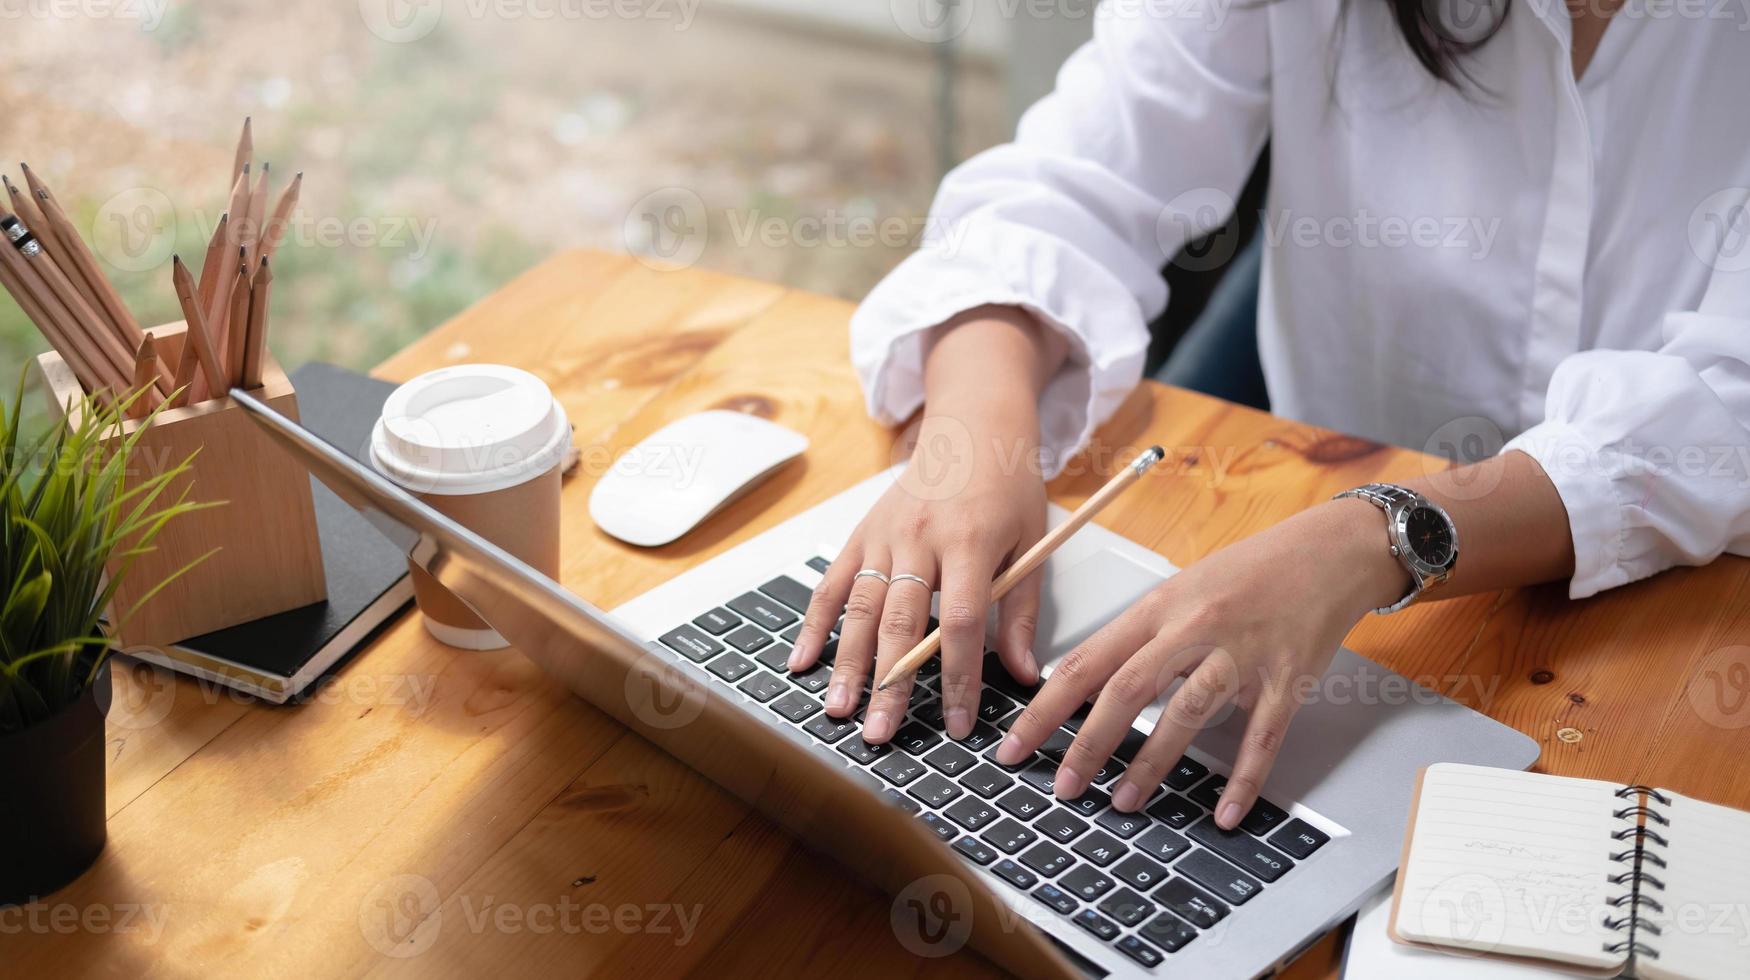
(871, 573)
(919, 579)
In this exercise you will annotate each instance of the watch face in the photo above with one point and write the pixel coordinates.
(1430, 536)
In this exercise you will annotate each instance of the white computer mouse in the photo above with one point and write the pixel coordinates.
(686, 471)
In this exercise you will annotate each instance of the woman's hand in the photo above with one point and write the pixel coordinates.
(1244, 625)
(970, 501)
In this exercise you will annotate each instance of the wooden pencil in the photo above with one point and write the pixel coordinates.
(198, 339)
(245, 150)
(218, 307)
(80, 318)
(257, 334)
(57, 322)
(1034, 557)
(89, 378)
(237, 326)
(238, 206)
(252, 230)
(24, 205)
(209, 280)
(143, 391)
(277, 225)
(74, 252)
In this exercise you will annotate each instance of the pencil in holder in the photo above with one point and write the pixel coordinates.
(268, 558)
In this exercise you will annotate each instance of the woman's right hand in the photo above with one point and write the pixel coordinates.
(970, 501)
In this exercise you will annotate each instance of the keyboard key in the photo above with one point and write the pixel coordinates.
(1264, 817)
(862, 751)
(992, 707)
(1130, 745)
(795, 706)
(1091, 801)
(1099, 848)
(975, 850)
(767, 612)
(819, 564)
(935, 790)
(1299, 838)
(789, 592)
(1097, 924)
(1060, 826)
(987, 781)
(1040, 775)
(1022, 803)
(901, 800)
(718, 621)
(814, 679)
(1055, 898)
(1124, 825)
(1014, 874)
(762, 687)
(731, 668)
(1227, 882)
(1108, 772)
(1208, 792)
(991, 757)
(747, 638)
(898, 768)
(1140, 951)
(775, 658)
(1175, 811)
(829, 729)
(1056, 745)
(1086, 882)
(790, 635)
(1127, 907)
(1139, 872)
(1047, 858)
(972, 813)
(915, 738)
(941, 828)
(1009, 836)
(1162, 844)
(1186, 773)
(1000, 680)
(1242, 849)
(929, 714)
(1190, 903)
(1167, 932)
(951, 760)
(983, 737)
(690, 643)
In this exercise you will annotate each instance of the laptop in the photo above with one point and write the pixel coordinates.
(973, 852)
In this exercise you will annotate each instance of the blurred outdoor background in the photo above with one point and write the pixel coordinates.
(448, 145)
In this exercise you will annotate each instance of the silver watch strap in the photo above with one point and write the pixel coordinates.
(1386, 496)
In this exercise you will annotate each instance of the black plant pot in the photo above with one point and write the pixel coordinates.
(51, 798)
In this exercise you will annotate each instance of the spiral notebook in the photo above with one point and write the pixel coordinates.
(1577, 874)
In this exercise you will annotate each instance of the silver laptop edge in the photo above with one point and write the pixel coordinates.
(1349, 768)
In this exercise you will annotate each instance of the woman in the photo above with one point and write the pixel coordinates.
(1533, 222)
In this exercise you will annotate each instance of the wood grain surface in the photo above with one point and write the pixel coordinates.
(430, 812)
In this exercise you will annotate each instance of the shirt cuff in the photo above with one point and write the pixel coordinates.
(1595, 512)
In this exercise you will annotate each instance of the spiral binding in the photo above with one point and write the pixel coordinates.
(1637, 879)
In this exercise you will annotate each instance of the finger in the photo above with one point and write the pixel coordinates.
(1077, 676)
(1211, 686)
(1265, 729)
(966, 576)
(863, 607)
(1132, 687)
(824, 607)
(903, 621)
(1018, 621)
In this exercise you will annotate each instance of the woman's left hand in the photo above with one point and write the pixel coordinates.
(1243, 625)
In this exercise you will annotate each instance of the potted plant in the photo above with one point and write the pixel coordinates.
(73, 516)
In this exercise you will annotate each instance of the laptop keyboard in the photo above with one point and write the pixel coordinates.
(1144, 883)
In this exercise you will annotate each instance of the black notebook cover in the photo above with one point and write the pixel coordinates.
(362, 567)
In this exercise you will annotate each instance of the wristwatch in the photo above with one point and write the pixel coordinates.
(1422, 537)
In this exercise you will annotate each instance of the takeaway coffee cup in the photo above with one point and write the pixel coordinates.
(483, 444)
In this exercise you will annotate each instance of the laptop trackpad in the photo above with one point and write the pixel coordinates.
(1081, 598)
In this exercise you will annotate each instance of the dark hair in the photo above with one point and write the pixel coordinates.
(1439, 36)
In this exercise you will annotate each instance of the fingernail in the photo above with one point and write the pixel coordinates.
(1009, 752)
(1033, 666)
(1068, 784)
(959, 723)
(838, 696)
(1230, 815)
(879, 725)
(795, 661)
(1127, 797)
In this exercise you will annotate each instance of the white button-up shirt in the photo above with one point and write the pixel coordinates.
(1552, 265)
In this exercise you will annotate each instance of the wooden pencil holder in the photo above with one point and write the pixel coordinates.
(269, 558)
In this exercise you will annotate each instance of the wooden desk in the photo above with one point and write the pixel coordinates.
(435, 812)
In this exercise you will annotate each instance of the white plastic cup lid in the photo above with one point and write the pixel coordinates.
(472, 428)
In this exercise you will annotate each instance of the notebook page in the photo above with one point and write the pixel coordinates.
(1512, 863)
(1704, 928)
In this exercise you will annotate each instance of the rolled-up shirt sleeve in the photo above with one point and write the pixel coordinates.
(1152, 128)
(1650, 450)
